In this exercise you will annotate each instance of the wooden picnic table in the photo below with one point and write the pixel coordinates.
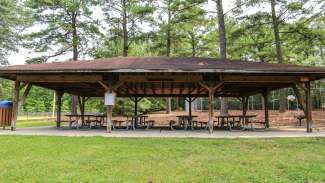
(74, 119)
(134, 120)
(186, 120)
(232, 119)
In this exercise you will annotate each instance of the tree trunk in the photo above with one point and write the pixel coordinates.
(75, 43)
(168, 44)
(177, 103)
(168, 105)
(224, 106)
(125, 30)
(223, 49)
(275, 22)
(168, 36)
(193, 43)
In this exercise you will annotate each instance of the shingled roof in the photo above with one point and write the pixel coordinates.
(162, 64)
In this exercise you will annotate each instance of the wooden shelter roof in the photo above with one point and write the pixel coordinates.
(161, 64)
(162, 76)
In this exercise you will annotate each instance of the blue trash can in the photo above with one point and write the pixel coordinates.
(5, 113)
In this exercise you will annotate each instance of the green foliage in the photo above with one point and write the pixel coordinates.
(6, 88)
(39, 100)
(62, 26)
(189, 24)
(125, 106)
(13, 19)
(125, 19)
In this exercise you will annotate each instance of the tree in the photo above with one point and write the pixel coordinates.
(66, 27)
(279, 58)
(125, 17)
(172, 13)
(279, 19)
(222, 48)
(252, 38)
(14, 18)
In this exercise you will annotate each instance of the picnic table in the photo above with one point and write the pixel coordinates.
(186, 120)
(231, 120)
(75, 118)
(142, 119)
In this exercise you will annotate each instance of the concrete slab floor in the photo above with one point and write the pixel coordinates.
(163, 133)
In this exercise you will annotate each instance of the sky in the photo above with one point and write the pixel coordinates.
(23, 54)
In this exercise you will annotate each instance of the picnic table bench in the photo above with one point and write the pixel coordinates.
(300, 117)
(235, 121)
(97, 120)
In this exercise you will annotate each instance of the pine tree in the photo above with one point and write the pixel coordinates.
(66, 27)
(125, 17)
(14, 18)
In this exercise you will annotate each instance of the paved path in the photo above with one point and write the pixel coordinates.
(270, 133)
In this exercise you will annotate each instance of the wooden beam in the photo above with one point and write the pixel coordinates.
(23, 98)
(262, 79)
(266, 108)
(211, 110)
(82, 101)
(244, 105)
(172, 88)
(136, 100)
(308, 108)
(214, 87)
(109, 118)
(110, 87)
(143, 88)
(106, 87)
(60, 78)
(182, 89)
(15, 106)
(162, 87)
(58, 109)
(23, 85)
(160, 78)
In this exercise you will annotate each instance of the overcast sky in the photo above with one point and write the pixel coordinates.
(20, 57)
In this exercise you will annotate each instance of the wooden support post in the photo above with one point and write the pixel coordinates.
(109, 109)
(190, 107)
(24, 96)
(109, 118)
(211, 110)
(135, 111)
(58, 108)
(211, 90)
(82, 101)
(244, 105)
(136, 100)
(15, 106)
(266, 108)
(308, 108)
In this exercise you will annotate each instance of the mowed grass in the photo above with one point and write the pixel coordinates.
(100, 159)
(34, 123)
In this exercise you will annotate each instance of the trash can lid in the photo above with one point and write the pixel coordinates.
(5, 104)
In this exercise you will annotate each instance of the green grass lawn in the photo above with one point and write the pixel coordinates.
(99, 159)
(34, 123)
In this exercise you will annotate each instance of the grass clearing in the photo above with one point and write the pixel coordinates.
(34, 123)
(100, 159)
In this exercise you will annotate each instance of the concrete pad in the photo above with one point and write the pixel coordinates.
(140, 133)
